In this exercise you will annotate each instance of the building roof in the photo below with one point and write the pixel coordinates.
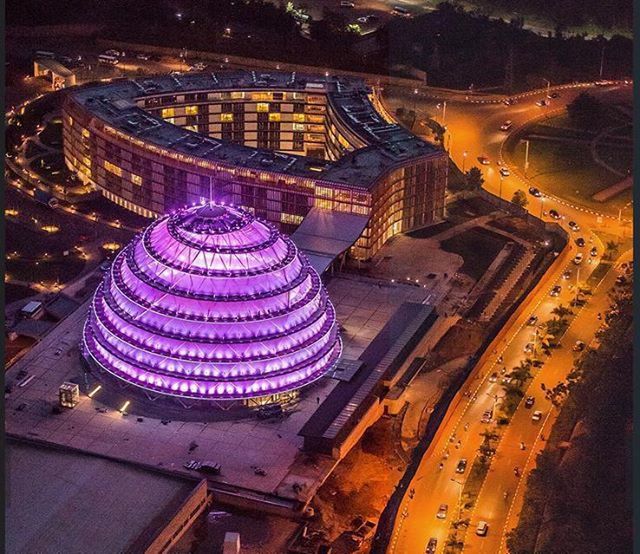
(325, 234)
(390, 145)
(346, 403)
(54, 66)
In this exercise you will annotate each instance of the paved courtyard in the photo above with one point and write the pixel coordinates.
(363, 307)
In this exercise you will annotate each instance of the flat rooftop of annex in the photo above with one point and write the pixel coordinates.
(56, 502)
(389, 144)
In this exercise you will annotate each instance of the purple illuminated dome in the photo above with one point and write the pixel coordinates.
(211, 303)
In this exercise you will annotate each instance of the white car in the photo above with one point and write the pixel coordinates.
(504, 172)
(442, 511)
(143, 56)
(578, 259)
(506, 126)
(536, 416)
(482, 529)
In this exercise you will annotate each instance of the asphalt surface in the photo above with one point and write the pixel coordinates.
(475, 130)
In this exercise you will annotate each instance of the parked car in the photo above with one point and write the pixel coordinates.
(556, 290)
(578, 259)
(541, 103)
(532, 320)
(574, 226)
(504, 172)
(533, 191)
(484, 160)
(529, 402)
(566, 275)
(579, 346)
(462, 466)
(536, 416)
(509, 101)
(554, 95)
(594, 251)
(493, 377)
(143, 56)
(486, 416)
(580, 242)
(482, 529)
(553, 214)
(442, 511)
(432, 546)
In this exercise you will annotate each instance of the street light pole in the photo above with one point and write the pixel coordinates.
(500, 186)
(541, 206)
(444, 112)
(602, 61)
(548, 87)
(526, 157)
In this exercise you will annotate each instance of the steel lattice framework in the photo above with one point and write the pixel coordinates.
(211, 303)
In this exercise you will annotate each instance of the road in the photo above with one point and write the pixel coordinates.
(475, 130)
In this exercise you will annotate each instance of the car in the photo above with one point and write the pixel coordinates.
(579, 346)
(504, 172)
(143, 56)
(432, 546)
(442, 511)
(509, 101)
(532, 320)
(536, 416)
(529, 402)
(541, 103)
(462, 466)
(367, 18)
(556, 290)
(578, 259)
(402, 12)
(621, 280)
(493, 377)
(482, 529)
(574, 226)
(528, 348)
(594, 252)
(507, 379)
(506, 125)
(533, 191)
(553, 95)
(580, 242)
(553, 214)
(484, 160)
(487, 416)
(346, 4)
(566, 275)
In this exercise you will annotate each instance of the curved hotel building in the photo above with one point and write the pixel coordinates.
(278, 145)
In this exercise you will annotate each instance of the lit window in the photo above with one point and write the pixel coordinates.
(237, 95)
(298, 117)
(112, 168)
(262, 107)
(226, 117)
(70, 121)
(85, 133)
(136, 179)
(191, 110)
(191, 128)
(258, 96)
(168, 112)
(274, 117)
(324, 192)
(291, 218)
(298, 127)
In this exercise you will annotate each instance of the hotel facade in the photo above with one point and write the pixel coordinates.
(278, 145)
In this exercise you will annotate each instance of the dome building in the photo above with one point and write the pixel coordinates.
(210, 303)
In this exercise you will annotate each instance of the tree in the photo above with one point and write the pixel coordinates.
(611, 249)
(520, 198)
(561, 311)
(474, 178)
(522, 372)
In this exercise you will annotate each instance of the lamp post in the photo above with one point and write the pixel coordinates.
(500, 194)
(541, 206)
(548, 86)
(461, 484)
(526, 157)
(577, 285)
(602, 61)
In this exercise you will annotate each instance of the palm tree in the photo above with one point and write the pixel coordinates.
(561, 311)
(521, 372)
(611, 248)
(453, 544)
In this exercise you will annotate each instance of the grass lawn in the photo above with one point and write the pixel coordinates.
(568, 171)
(478, 248)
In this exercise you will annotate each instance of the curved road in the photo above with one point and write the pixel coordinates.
(475, 129)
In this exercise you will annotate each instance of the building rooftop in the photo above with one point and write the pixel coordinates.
(389, 144)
